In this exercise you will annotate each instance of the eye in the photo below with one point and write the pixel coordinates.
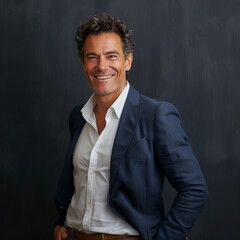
(91, 58)
(112, 57)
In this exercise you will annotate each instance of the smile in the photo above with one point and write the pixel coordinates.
(104, 77)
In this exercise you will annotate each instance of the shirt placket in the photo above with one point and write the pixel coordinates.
(90, 187)
(91, 183)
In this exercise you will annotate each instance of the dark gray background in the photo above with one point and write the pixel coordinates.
(186, 52)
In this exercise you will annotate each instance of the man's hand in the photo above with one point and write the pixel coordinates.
(60, 232)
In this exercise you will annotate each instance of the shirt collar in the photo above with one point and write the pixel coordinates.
(120, 101)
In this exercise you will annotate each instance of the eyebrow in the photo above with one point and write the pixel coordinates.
(112, 52)
(107, 53)
(91, 53)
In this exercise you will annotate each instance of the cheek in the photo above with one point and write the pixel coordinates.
(119, 67)
(88, 67)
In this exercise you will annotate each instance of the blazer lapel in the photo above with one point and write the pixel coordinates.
(130, 116)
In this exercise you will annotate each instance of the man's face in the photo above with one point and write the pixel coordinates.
(104, 63)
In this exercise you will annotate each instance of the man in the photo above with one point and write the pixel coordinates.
(122, 146)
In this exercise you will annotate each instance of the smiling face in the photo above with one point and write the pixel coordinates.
(105, 65)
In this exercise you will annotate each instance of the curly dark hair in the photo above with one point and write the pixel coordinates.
(106, 23)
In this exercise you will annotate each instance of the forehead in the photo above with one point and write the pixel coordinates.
(107, 41)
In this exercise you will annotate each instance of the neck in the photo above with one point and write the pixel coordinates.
(103, 104)
(105, 101)
(102, 107)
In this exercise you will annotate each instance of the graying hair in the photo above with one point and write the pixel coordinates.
(106, 23)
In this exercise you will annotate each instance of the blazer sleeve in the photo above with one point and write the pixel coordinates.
(180, 166)
(65, 187)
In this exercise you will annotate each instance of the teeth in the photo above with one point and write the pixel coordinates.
(103, 77)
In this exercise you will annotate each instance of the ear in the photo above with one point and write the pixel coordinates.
(128, 62)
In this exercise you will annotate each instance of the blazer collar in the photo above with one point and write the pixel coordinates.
(131, 114)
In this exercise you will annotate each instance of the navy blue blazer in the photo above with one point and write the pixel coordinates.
(150, 144)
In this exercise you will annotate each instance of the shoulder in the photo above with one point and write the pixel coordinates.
(154, 107)
(75, 112)
(165, 120)
(151, 108)
(74, 116)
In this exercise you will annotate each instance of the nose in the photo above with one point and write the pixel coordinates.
(102, 64)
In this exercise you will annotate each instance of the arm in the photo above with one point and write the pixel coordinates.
(179, 164)
(65, 187)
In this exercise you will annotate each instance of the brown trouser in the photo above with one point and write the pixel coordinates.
(76, 235)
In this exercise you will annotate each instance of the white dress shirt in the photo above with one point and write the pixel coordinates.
(88, 210)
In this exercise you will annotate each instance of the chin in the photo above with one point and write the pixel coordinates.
(103, 93)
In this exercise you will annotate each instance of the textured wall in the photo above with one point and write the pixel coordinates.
(186, 52)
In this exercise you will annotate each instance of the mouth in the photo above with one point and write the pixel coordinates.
(103, 77)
